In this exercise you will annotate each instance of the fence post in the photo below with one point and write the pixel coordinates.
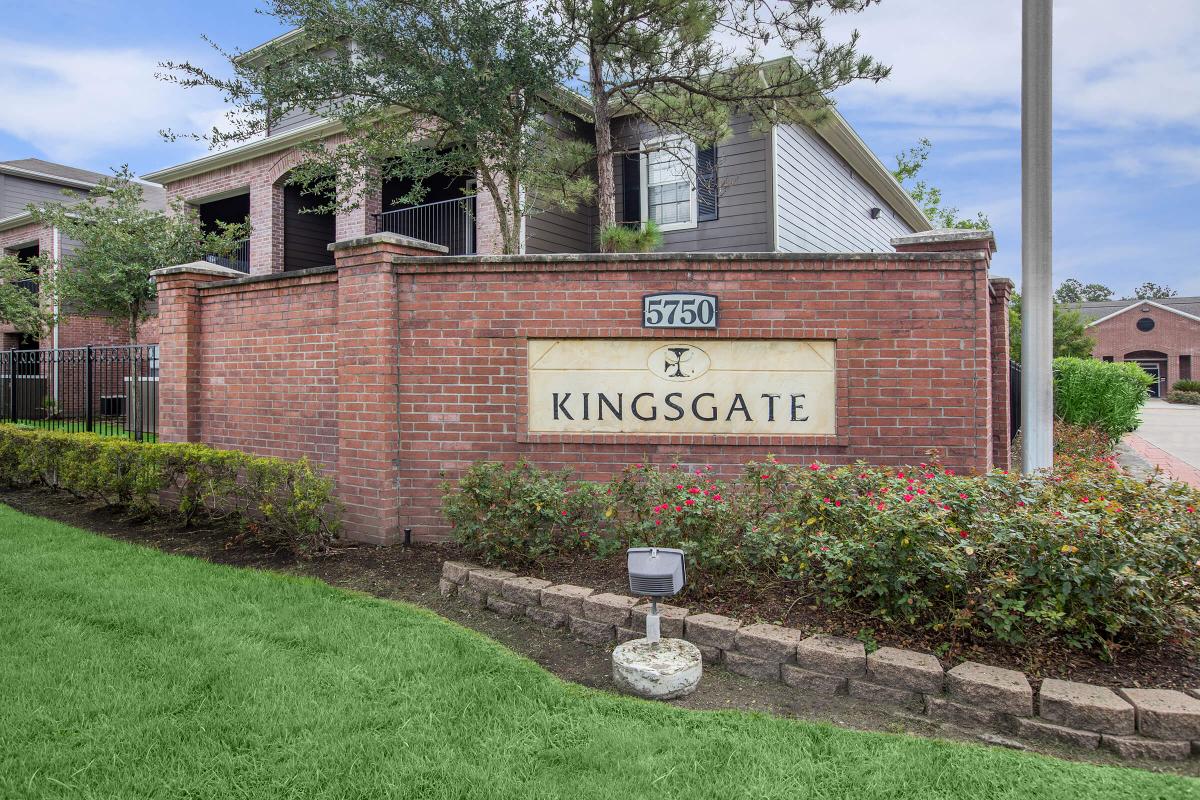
(87, 390)
(12, 385)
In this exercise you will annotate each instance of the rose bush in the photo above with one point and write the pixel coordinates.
(1084, 554)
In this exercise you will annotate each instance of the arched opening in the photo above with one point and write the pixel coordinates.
(1155, 363)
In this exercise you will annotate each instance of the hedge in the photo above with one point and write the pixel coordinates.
(1106, 395)
(1186, 386)
(270, 501)
(1087, 555)
(1187, 398)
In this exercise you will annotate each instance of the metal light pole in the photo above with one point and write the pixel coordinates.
(1037, 307)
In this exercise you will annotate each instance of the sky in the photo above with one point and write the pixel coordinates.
(78, 86)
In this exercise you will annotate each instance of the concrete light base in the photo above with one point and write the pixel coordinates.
(662, 670)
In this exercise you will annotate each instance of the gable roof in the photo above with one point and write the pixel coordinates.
(1103, 310)
(48, 171)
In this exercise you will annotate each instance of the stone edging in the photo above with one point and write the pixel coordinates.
(1133, 723)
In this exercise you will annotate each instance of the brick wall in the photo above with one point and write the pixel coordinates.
(1173, 335)
(395, 371)
(1001, 293)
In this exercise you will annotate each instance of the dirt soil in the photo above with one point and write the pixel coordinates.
(412, 574)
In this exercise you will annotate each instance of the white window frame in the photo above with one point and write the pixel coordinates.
(647, 144)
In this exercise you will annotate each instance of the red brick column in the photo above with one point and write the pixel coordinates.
(368, 382)
(1001, 292)
(179, 346)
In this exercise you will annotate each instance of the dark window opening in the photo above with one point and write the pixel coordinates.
(1185, 368)
(1108, 359)
(229, 210)
(1145, 324)
(26, 255)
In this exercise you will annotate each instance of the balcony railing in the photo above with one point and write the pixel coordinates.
(450, 223)
(239, 259)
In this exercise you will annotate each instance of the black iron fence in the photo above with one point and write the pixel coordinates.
(239, 259)
(112, 391)
(450, 223)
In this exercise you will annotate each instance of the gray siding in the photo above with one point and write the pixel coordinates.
(296, 118)
(824, 206)
(16, 193)
(744, 218)
(561, 231)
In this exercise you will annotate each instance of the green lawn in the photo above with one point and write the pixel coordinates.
(128, 673)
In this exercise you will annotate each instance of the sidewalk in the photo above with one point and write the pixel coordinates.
(1169, 438)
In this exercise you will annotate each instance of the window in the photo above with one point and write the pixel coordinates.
(1145, 324)
(668, 188)
(1185, 368)
(1108, 359)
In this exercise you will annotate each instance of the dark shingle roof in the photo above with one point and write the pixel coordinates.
(54, 170)
(1101, 309)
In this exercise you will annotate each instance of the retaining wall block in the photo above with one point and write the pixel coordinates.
(710, 655)
(1165, 713)
(905, 669)
(670, 622)
(611, 609)
(878, 693)
(940, 708)
(628, 635)
(751, 667)
(447, 587)
(712, 630)
(1083, 706)
(458, 571)
(994, 688)
(833, 655)
(547, 618)
(768, 642)
(810, 681)
(489, 581)
(472, 596)
(591, 632)
(1045, 731)
(1137, 747)
(566, 598)
(504, 607)
(525, 591)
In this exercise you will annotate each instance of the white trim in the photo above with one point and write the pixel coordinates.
(16, 221)
(245, 152)
(1144, 303)
(644, 164)
(773, 166)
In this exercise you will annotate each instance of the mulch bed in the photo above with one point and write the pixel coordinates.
(400, 573)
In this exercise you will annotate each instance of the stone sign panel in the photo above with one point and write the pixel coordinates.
(711, 386)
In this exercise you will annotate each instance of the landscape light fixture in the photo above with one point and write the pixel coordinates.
(655, 572)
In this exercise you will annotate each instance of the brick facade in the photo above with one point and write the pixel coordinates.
(395, 371)
(73, 330)
(264, 177)
(1175, 338)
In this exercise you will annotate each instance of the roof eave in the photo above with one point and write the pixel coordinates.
(245, 152)
(1137, 303)
(47, 177)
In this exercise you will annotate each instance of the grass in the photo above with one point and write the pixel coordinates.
(126, 672)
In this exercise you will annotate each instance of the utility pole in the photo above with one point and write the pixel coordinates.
(1037, 307)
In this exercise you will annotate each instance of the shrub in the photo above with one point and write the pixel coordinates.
(1085, 554)
(1186, 386)
(630, 239)
(1189, 398)
(269, 501)
(1101, 394)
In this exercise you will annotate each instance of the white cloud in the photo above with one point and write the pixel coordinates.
(1112, 66)
(75, 103)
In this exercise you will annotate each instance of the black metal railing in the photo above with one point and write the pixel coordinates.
(239, 259)
(450, 223)
(112, 391)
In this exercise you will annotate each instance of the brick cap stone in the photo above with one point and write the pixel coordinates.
(388, 238)
(991, 687)
(566, 597)
(1165, 713)
(945, 236)
(197, 268)
(524, 590)
(1081, 705)
(611, 609)
(907, 669)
